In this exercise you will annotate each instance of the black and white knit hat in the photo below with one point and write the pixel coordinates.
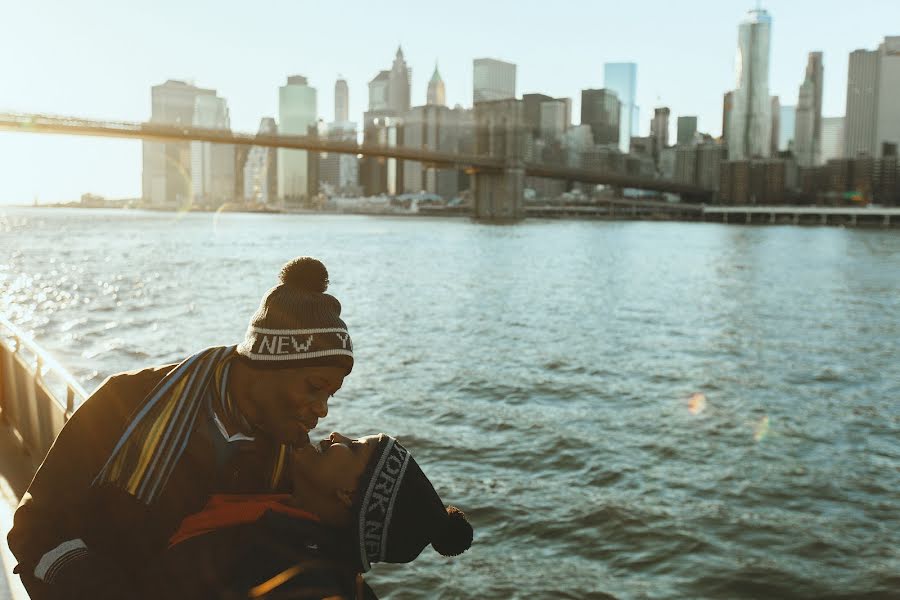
(297, 323)
(398, 513)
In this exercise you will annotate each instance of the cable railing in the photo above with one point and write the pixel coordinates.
(37, 394)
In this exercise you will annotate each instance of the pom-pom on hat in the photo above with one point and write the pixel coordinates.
(398, 513)
(297, 323)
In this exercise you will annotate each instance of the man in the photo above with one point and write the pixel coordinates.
(151, 446)
(355, 503)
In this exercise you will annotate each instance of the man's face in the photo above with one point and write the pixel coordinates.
(290, 402)
(334, 464)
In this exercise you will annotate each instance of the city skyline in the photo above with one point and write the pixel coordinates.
(697, 90)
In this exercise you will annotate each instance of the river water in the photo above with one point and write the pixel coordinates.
(548, 377)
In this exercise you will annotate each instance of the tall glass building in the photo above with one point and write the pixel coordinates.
(622, 79)
(787, 120)
(493, 79)
(296, 112)
(750, 122)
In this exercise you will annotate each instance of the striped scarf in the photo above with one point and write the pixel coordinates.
(158, 431)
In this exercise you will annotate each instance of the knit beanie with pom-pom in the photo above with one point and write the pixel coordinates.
(297, 323)
(397, 512)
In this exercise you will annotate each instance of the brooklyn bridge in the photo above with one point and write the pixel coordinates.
(497, 168)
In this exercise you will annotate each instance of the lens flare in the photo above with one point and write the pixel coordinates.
(696, 403)
(761, 429)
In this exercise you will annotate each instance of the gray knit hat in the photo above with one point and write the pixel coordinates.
(297, 323)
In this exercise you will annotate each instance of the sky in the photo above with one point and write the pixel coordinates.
(98, 59)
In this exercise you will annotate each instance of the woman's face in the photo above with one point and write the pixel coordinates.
(334, 464)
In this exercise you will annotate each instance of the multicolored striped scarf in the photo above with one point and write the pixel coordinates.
(157, 434)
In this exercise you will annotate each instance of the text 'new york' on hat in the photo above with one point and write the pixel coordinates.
(297, 323)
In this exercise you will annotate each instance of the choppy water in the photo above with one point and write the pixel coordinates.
(541, 374)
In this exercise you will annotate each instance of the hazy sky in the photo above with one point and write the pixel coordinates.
(99, 58)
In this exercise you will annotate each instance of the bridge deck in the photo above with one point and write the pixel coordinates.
(38, 123)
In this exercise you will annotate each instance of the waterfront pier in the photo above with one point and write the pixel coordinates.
(869, 216)
(651, 210)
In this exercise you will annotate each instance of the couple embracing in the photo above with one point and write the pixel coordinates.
(199, 480)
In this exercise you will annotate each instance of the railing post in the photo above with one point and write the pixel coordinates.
(70, 402)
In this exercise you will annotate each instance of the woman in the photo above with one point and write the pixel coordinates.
(356, 502)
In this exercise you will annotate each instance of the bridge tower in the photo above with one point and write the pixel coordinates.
(500, 133)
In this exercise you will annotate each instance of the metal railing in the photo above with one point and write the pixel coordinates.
(37, 394)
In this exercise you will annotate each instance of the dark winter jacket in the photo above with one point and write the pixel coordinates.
(76, 541)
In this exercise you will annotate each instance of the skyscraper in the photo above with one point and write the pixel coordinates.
(832, 138)
(601, 110)
(260, 170)
(659, 127)
(568, 103)
(687, 128)
(378, 91)
(400, 78)
(553, 115)
(297, 111)
(166, 177)
(493, 80)
(862, 103)
(750, 123)
(436, 128)
(340, 172)
(727, 106)
(437, 95)
(873, 87)
(775, 132)
(621, 78)
(389, 91)
(787, 119)
(531, 111)
(212, 165)
(887, 127)
(389, 101)
(808, 124)
(341, 101)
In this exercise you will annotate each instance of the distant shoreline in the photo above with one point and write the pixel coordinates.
(883, 218)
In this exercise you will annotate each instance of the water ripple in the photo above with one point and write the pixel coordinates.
(543, 375)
